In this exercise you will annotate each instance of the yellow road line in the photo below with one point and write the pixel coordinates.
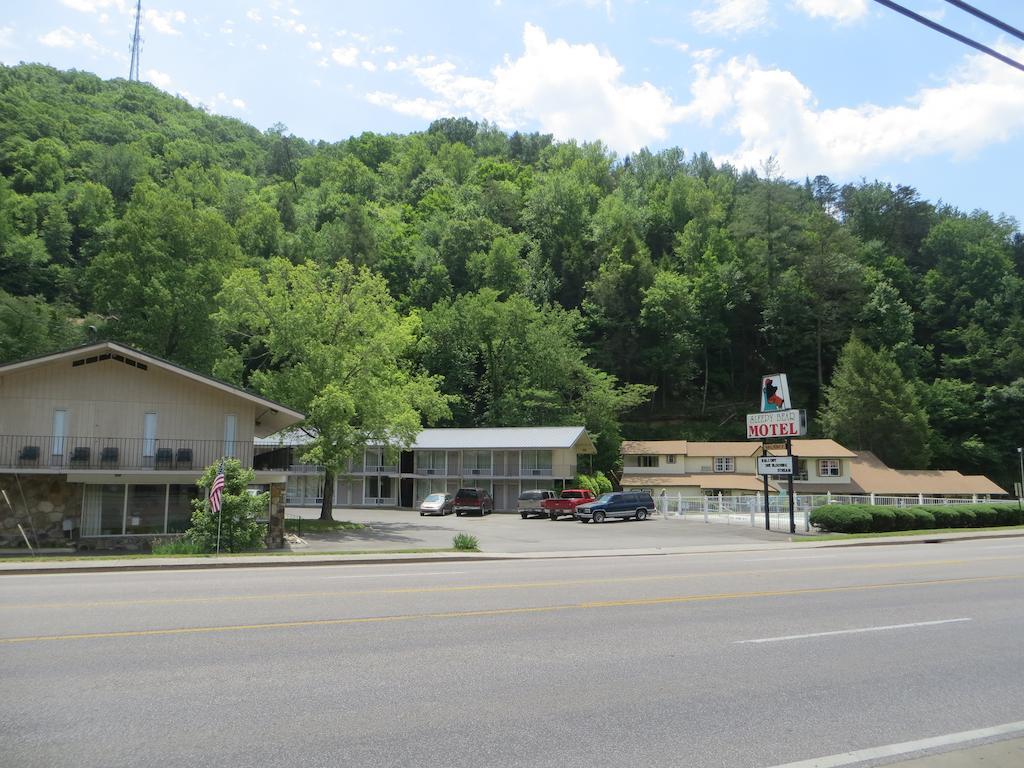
(638, 602)
(491, 587)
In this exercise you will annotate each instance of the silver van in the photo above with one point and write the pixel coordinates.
(530, 502)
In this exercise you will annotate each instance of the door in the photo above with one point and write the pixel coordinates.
(406, 492)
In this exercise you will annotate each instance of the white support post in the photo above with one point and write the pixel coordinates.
(756, 505)
(872, 498)
(679, 504)
(828, 497)
(704, 506)
(974, 498)
(920, 499)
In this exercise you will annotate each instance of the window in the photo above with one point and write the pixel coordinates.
(801, 470)
(376, 459)
(828, 468)
(476, 462)
(536, 462)
(725, 464)
(377, 488)
(430, 462)
(671, 458)
(647, 461)
(149, 435)
(230, 422)
(60, 423)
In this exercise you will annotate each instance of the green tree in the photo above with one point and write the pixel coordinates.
(330, 342)
(870, 406)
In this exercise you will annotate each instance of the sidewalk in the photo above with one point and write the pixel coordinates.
(29, 565)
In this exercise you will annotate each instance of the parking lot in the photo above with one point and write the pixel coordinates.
(389, 529)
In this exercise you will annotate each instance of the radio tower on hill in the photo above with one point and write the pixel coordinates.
(133, 72)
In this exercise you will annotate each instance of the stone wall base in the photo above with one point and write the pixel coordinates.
(44, 505)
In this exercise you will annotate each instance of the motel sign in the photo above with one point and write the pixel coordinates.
(774, 424)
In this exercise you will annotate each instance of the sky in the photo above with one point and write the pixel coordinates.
(845, 88)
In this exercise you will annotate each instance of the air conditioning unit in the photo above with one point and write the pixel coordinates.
(380, 501)
(705, 469)
(475, 471)
(433, 471)
(536, 471)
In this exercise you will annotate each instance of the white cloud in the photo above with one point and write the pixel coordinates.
(315, 45)
(346, 57)
(732, 17)
(773, 113)
(671, 43)
(159, 79)
(6, 37)
(164, 21)
(418, 107)
(291, 24)
(65, 37)
(842, 11)
(369, 66)
(572, 91)
(253, 14)
(238, 103)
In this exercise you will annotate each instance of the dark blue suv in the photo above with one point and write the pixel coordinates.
(623, 504)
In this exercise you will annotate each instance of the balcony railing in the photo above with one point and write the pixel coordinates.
(71, 454)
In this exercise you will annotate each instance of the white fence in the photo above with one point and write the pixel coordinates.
(749, 510)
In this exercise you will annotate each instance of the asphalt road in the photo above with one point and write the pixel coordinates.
(394, 529)
(738, 659)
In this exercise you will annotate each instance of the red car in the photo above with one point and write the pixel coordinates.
(568, 501)
(473, 500)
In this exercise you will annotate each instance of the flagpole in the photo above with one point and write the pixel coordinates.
(220, 503)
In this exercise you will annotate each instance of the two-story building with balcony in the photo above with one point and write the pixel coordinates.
(105, 441)
(502, 460)
(695, 468)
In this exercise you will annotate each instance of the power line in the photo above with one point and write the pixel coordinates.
(133, 70)
(985, 17)
(950, 33)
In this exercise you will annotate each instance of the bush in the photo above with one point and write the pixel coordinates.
(946, 517)
(842, 518)
(1008, 515)
(985, 516)
(180, 546)
(967, 518)
(588, 483)
(604, 485)
(906, 520)
(241, 515)
(465, 542)
(882, 519)
(923, 519)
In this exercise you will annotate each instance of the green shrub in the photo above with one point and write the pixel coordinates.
(242, 515)
(883, 519)
(586, 482)
(945, 517)
(923, 518)
(906, 520)
(466, 542)
(604, 485)
(985, 516)
(1008, 514)
(967, 518)
(842, 518)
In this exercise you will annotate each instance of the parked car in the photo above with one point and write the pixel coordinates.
(437, 504)
(531, 502)
(567, 502)
(473, 500)
(622, 504)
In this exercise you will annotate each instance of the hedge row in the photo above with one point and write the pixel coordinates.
(862, 518)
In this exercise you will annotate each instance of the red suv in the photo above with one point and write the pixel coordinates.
(473, 500)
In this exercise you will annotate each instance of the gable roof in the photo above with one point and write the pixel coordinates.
(803, 447)
(273, 418)
(871, 475)
(725, 481)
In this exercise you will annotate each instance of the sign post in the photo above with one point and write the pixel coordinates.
(778, 419)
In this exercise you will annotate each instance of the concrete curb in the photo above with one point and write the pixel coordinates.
(27, 567)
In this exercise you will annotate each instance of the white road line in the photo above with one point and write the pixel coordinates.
(386, 575)
(851, 631)
(794, 557)
(906, 747)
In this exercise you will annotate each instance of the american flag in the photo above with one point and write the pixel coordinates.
(217, 490)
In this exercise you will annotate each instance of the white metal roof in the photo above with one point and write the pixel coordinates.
(505, 438)
(493, 438)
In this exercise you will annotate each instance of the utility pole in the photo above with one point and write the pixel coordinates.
(133, 71)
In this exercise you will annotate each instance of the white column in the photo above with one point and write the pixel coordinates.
(872, 498)
(920, 498)
(704, 505)
(755, 505)
(679, 504)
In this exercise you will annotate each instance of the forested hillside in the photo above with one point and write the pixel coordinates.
(544, 282)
